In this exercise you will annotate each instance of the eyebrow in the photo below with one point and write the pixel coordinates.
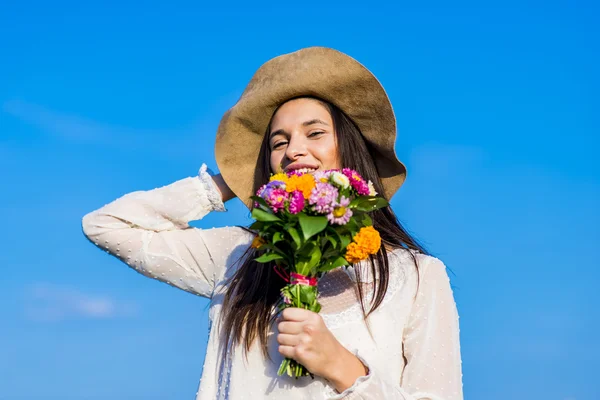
(305, 123)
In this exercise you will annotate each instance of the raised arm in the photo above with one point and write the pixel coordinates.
(149, 231)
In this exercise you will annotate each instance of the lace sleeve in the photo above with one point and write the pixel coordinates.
(149, 231)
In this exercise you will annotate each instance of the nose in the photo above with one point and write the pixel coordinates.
(296, 148)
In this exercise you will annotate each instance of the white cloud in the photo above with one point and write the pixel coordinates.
(46, 302)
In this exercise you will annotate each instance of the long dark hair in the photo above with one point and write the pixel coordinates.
(254, 290)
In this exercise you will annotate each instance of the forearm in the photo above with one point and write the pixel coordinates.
(224, 190)
(347, 370)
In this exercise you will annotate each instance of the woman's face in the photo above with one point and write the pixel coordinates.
(302, 136)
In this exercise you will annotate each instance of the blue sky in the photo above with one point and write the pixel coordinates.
(497, 109)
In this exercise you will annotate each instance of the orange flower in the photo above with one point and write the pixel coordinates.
(304, 183)
(367, 241)
(368, 238)
(355, 253)
(257, 242)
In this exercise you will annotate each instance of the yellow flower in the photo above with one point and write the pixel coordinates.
(367, 241)
(304, 183)
(257, 242)
(279, 177)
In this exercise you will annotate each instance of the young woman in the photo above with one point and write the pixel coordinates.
(388, 328)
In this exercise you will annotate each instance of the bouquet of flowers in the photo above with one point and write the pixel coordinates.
(311, 223)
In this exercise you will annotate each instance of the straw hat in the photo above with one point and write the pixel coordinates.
(316, 71)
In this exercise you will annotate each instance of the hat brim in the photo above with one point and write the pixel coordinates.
(316, 71)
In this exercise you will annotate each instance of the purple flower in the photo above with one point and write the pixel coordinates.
(323, 197)
(261, 190)
(296, 202)
(340, 214)
(276, 185)
(276, 198)
(265, 190)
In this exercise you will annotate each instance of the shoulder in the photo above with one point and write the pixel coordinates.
(414, 258)
(415, 265)
(431, 269)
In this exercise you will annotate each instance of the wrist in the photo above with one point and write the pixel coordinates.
(346, 371)
(222, 188)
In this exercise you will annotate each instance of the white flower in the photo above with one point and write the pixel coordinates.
(372, 191)
(340, 179)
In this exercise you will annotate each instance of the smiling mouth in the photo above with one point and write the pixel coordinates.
(303, 170)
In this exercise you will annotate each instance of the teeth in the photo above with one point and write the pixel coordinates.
(306, 170)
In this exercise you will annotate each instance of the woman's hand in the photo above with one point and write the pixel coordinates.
(304, 337)
(226, 193)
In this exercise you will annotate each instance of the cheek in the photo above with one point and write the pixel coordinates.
(275, 161)
(329, 154)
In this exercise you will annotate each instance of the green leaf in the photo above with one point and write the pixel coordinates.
(301, 267)
(277, 237)
(345, 241)
(338, 262)
(315, 258)
(265, 258)
(308, 294)
(257, 225)
(329, 253)
(352, 226)
(332, 240)
(294, 234)
(368, 203)
(367, 221)
(312, 225)
(274, 249)
(261, 215)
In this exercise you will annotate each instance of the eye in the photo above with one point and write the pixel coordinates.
(278, 144)
(312, 134)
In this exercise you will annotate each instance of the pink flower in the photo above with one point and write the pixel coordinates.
(340, 214)
(260, 193)
(322, 197)
(265, 190)
(357, 181)
(261, 190)
(296, 202)
(276, 199)
(322, 176)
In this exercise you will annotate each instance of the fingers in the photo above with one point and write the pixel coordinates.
(287, 351)
(288, 340)
(291, 328)
(296, 314)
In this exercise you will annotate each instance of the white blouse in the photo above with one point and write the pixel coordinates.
(412, 352)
